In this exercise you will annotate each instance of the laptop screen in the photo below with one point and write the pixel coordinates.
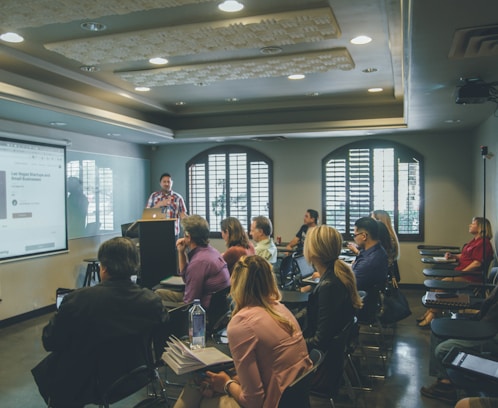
(305, 269)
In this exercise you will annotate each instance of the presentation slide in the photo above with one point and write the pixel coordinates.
(32, 199)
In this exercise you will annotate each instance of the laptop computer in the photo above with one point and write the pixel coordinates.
(305, 269)
(153, 214)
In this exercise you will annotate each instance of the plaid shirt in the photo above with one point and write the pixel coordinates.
(174, 210)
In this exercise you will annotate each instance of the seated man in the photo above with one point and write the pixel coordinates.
(89, 317)
(310, 220)
(442, 389)
(202, 267)
(261, 230)
(371, 265)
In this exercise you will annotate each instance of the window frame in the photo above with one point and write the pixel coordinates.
(400, 151)
(252, 155)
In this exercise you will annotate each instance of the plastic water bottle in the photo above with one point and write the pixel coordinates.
(197, 326)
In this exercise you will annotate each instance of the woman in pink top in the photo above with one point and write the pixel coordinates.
(237, 241)
(266, 344)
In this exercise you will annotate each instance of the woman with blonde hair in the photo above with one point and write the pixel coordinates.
(392, 250)
(331, 306)
(265, 341)
(237, 241)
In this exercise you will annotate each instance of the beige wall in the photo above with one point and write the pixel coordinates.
(297, 184)
(453, 193)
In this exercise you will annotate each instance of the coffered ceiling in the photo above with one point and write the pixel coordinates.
(227, 74)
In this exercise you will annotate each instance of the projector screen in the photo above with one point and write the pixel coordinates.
(32, 199)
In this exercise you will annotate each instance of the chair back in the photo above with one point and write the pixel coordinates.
(177, 325)
(297, 393)
(328, 378)
(124, 366)
(371, 304)
(218, 312)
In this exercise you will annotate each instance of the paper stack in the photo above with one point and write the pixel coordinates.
(178, 356)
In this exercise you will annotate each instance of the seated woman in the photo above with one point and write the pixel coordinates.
(470, 260)
(265, 341)
(331, 305)
(237, 241)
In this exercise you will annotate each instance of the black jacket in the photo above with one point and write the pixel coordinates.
(89, 338)
(329, 310)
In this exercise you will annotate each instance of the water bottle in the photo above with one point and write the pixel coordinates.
(197, 326)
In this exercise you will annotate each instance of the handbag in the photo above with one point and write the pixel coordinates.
(394, 306)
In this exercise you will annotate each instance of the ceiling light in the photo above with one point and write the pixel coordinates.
(231, 99)
(373, 90)
(89, 68)
(11, 38)
(58, 124)
(369, 70)
(452, 121)
(313, 94)
(271, 50)
(158, 61)
(297, 76)
(114, 134)
(180, 103)
(230, 6)
(360, 40)
(142, 88)
(92, 26)
(152, 143)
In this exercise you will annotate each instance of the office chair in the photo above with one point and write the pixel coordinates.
(137, 372)
(336, 360)
(123, 366)
(297, 393)
(218, 312)
(371, 328)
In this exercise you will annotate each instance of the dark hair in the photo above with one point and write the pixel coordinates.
(197, 228)
(164, 175)
(120, 257)
(369, 225)
(264, 224)
(236, 234)
(313, 214)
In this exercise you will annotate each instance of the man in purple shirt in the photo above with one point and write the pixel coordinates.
(202, 267)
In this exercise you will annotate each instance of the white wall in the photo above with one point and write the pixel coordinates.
(29, 284)
(297, 184)
(487, 135)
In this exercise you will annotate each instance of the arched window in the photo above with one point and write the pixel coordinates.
(230, 181)
(374, 175)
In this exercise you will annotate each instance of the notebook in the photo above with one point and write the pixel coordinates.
(459, 300)
(153, 214)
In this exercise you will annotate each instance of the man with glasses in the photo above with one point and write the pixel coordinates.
(201, 266)
(370, 266)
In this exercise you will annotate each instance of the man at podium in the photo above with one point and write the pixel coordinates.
(172, 203)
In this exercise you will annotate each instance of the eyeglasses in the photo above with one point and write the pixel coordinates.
(359, 233)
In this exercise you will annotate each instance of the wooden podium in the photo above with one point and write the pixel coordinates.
(157, 251)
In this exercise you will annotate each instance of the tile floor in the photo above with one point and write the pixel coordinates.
(21, 349)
